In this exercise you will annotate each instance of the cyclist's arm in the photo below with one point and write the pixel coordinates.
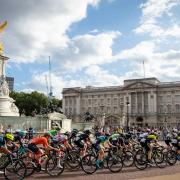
(5, 150)
(52, 148)
(109, 144)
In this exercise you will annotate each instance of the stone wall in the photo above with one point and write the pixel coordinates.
(38, 123)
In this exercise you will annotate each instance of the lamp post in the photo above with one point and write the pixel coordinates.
(165, 114)
(127, 125)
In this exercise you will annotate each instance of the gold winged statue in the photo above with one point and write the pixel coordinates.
(2, 27)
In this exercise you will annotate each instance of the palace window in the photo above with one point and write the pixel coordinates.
(177, 106)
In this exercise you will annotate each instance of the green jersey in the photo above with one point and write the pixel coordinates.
(114, 136)
(53, 132)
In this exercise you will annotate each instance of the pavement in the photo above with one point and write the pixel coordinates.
(166, 177)
(132, 173)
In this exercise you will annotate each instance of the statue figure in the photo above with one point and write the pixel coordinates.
(2, 27)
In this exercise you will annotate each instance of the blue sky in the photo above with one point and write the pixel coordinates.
(91, 42)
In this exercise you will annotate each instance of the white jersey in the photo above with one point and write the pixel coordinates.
(143, 137)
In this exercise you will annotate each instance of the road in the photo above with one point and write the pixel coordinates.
(167, 173)
(154, 173)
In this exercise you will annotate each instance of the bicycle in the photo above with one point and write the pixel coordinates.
(114, 162)
(141, 158)
(51, 164)
(13, 167)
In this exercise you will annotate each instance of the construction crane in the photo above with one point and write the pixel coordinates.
(47, 86)
(50, 83)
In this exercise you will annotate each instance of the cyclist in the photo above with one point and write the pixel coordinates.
(61, 139)
(82, 141)
(167, 139)
(33, 146)
(113, 139)
(149, 143)
(19, 135)
(178, 146)
(72, 136)
(99, 146)
(5, 141)
(54, 132)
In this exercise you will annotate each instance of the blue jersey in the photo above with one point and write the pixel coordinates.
(101, 139)
(2, 141)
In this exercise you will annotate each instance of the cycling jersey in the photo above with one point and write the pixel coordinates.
(17, 138)
(53, 132)
(59, 138)
(79, 140)
(40, 141)
(82, 137)
(2, 142)
(101, 140)
(114, 137)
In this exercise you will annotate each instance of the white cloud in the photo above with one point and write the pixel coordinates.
(38, 83)
(154, 13)
(139, 52)
(165, 64)
(37, 27)
(88, 49)
(100, 77)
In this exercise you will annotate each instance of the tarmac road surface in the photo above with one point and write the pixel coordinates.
(154, 173)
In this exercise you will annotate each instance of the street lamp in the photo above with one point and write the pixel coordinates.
(165, 114)
(127, 104)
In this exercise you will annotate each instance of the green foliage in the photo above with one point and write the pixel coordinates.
(35, 101)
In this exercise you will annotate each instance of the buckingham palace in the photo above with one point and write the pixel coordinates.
(138, 102)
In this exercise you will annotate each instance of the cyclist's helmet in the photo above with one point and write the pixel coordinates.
(75, 131)
(128, 135)
(47, 134)
(57, 128)
(22, 133)
(97, 134)
(8, 131)
(88, 132)
(67, 133)
(9, 137)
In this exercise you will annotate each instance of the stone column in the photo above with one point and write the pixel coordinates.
(136, 99)
(143, 103)
(78, 104)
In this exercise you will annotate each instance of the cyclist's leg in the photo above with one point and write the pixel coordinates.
(149, 151)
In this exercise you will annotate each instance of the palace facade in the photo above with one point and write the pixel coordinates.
(142, 102)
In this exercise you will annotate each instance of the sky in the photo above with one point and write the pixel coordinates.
(90, 42)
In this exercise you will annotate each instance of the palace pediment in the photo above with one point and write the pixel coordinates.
(139, 85)
(70, 91)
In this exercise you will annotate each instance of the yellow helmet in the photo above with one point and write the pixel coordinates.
(9, 137)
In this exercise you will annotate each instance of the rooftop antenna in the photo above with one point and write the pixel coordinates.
(50, 83)
(144, 69)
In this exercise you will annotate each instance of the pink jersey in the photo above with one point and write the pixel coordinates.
(60, 138)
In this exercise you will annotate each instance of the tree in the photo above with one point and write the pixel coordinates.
(33, 102)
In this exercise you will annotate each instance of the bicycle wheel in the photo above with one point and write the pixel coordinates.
(171, 157)
(128, 159)
(30, 168)
(15, 170)
(51, 167)
(140, 160)
(88, 164)
(115, 163)
(4, 161)
(73, 160)
(158, 157)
